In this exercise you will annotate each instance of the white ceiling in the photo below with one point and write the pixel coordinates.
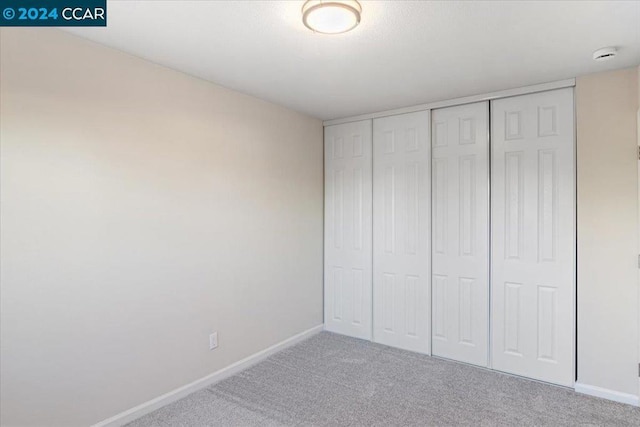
(403, 53)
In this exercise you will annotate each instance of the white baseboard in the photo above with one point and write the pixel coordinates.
(177, 394)
(605, 393)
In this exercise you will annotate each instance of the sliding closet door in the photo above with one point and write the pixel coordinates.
(401, 183)
(347, 271)
(533, 236)
(460, 229)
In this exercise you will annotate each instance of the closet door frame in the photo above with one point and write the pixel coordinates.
(533, 89)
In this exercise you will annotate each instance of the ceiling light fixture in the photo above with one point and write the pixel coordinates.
(604, 53)
(331, 16)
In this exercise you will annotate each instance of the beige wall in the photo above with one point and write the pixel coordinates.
(141, 210)
(606, 108)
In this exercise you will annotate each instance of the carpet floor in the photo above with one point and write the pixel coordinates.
(332, 380)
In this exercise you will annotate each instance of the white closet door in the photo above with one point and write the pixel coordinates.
(533, 236)
(460, 229)
(401, 182)
(347, 271)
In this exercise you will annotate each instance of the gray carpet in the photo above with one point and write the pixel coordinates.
(331, 380)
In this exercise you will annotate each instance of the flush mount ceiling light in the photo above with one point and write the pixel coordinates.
(604, 53)
(331, 16)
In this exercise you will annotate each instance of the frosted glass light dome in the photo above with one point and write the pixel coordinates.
(331, 16)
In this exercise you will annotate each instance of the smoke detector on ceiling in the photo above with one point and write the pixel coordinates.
(604, 53)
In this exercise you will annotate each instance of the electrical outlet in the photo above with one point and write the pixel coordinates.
(213, 341)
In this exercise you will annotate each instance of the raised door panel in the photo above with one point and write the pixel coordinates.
(401, 198)
(348, 244)
(460, 251)
(533, 236)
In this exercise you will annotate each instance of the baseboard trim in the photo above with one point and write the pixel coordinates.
(177, 394)
(605, 393)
